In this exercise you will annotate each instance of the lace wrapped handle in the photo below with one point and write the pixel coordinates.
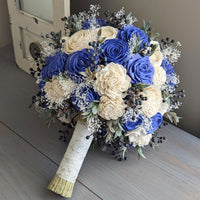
(67, 173)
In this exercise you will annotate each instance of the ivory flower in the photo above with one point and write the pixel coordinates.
(108, 32)
(68, 87)
(112, 80)
(152, 105)
(79, 40)
(139, 137)
(159, 77)
(163, 108)
(57, 90)
(157, 57)
(111, 108)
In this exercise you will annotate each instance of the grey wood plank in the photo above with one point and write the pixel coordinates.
(171, 172)
(17, 88)
(25, 172)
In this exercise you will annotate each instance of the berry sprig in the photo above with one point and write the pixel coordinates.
(119, 148)
(167, 41)
(156, 139)
(134, 99)
(55, 40)
(95, 59)
(34, 72)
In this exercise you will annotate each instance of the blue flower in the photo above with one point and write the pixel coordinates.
(54, 65)
(99, 23)
(139, 69)
(41, 84)
(83, 96)
(131, 125)
(156, 122)
(127, 32)
(78, 62)
(115, 50)
(168, 67)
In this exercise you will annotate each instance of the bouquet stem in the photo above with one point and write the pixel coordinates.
(67, 173)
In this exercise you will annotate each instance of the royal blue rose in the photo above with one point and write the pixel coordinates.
(127, 32)
(131, 125)
(78, 62)
(115, 50)
(98, 23)
(54, 65)
(41, 84)
(168, 67)
(83, 96)
(156, 122)
(139, 69)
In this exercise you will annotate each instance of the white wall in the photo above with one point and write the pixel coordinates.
(5, 34)
(178, 19)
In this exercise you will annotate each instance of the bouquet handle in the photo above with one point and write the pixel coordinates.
(67, 173)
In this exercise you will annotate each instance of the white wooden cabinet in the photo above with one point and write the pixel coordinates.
(30, 19)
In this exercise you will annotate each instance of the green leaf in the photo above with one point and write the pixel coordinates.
(146, 26)
(73, 24)
(85, 113)
(140, 153)
(120, 126)
(118, 132)
(109, 124)
(154, 36)
(95, 110)
(96, 101)
(129, 15)
(152, 50)
(91, 105)
(172, 116)
(124, 151)
(108, 137)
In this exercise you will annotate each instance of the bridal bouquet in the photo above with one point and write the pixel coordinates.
(110, 80)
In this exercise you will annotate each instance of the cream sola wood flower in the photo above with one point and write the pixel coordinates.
(154, 100)
(163, 108)
(80, 40)
(139, 137)
(57, 90)
(157, 57)
(111, 108)
(111, 80)
(107, 32)
(159, 77)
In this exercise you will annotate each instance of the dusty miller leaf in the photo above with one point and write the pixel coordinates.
(173, 118)
(140, 153)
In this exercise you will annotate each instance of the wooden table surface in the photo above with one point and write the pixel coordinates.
(30, 153)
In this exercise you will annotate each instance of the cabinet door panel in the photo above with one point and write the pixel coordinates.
(39, 8)
(32, 19)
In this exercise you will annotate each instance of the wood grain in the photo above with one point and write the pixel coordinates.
(25, 172)
(171, 172)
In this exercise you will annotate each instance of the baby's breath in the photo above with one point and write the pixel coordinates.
(171, 53)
